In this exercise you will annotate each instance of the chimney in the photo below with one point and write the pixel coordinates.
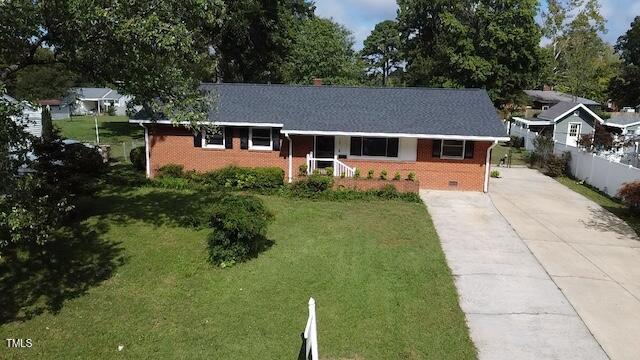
(317, 82)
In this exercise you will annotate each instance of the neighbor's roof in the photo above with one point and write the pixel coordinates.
(552, 97)
(96, 93)
(560, 110)
(624, 119)
(335, 109)
(51, 102)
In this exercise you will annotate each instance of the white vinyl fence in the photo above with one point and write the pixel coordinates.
(527, 134)
(597, 171)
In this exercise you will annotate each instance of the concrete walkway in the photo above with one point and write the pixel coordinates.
(513, 309)
(591, 255)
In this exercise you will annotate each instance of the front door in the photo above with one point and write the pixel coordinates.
(325, 149)
(573, 134)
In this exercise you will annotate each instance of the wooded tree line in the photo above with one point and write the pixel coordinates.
(492, 44)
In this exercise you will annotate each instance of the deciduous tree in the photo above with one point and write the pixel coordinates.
(381, 50)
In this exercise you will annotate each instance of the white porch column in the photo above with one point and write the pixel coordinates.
(290, 157)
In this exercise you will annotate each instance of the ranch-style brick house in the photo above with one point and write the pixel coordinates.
(444, 136)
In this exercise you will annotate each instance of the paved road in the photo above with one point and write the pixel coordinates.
(591, 255)
(513, 308)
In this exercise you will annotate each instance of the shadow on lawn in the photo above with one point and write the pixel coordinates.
(63, 270)
(121, 129)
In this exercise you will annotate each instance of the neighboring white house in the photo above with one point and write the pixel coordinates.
(88, 100)
(31, 116)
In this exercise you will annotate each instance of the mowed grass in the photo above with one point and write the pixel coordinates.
(613, 205)
(376, 270)
(113, 130)
(498, 152)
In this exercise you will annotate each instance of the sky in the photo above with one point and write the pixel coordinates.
(360, 16)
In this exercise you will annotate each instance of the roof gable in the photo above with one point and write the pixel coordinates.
(561, 110)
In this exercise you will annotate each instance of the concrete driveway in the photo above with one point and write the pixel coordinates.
(591, 255)
(513, 309)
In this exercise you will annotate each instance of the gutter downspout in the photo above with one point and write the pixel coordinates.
(487, 166)
(290, 141)
(146, 151)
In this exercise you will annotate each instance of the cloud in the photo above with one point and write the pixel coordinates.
(359, 16)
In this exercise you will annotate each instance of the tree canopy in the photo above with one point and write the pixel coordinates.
(472, 43)
(323, 49)
(381, 50)
(257, 36)
(625, 88)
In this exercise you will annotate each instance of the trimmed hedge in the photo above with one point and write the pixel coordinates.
(244, 178)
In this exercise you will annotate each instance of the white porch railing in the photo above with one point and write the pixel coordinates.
(311, 334)
(339, 168)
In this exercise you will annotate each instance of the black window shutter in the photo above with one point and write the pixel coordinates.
(469, 147)
(228, 137)
(437, 147)
(197, 139)
(392, 147)
(356, 146)
(244, 138)
(275, 138)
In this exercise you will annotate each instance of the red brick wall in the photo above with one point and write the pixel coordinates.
(171, 145)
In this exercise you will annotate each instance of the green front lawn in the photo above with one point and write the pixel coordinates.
(113, 130)
(517, 155)
(376, 269)
(613, 205)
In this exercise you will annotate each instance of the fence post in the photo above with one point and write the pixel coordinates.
(313, 336)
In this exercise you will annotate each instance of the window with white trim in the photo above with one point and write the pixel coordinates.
(573, 129)
(374, 146)
(214, 138)
(452, 149)
(260, 138)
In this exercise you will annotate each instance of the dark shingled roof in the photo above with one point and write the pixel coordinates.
(556, 110)
(553, 97)
(359, 109)
(462, 112)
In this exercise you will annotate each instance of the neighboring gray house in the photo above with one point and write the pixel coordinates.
(565, 122)
(31, 115)
(628, 122)
(87, 100)
(545, 99)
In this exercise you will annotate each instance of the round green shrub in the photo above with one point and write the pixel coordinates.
(239, 226)
(138, 158)
(171, 170)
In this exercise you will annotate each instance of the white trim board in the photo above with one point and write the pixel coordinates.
(397, 135)
(220, 123)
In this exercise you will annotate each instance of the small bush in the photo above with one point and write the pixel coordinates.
(83, 159)
(516, 142)
(397, 176)
(239, 227)
(329, 171)
(411, 176)
(495, 174)
(302, 170)
(630, 195)
(556, 165)
(171, 170)
(138, 158)
(356, 173)
(370, 174)
(383, 175)
(311, 186)
(111, 110)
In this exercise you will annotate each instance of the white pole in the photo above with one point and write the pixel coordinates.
(314, 331)
(95, 118)
(290, 157)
